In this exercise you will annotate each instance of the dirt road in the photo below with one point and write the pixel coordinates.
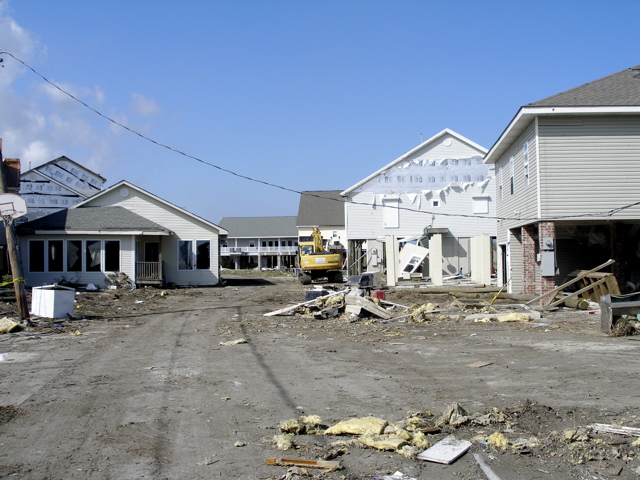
(146, 390)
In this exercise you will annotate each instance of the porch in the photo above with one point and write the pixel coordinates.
(149, 273)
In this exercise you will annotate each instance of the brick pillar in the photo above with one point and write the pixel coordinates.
(546, 230)
(528, 260)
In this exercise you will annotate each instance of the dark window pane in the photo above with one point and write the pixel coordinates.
(36, 256)
(74, 255)
(92, 256)
(203, 257)
(185, 255)
(56, 263)
(112, 256)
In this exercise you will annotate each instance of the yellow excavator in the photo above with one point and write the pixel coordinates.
(315, 262)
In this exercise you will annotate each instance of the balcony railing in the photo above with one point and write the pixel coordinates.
(284, 250)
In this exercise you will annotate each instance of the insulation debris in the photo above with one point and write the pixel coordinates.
(514, 317)
(7, 325)
(454, 415)
(358, 426)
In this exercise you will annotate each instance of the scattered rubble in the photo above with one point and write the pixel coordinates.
(526, 429)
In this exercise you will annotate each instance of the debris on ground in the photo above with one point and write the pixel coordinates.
(8, 325)
(517, 430)
(234, 342)
(446, 451)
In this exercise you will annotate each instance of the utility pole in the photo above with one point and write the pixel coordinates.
(14, 253)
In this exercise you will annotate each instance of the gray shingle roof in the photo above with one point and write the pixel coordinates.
(618, 89)
(103, 219)
(321, 208)
(259, 227)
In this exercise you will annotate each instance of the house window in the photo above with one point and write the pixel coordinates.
(511, 171)
(112, 256)
(480, 205)
(185, 255)
(188, 259)
(500, 185)
(435, 203)
(36, 255)
(55, 255)
(264, 243)
(203, 254)
(74, 255)
(525, 149)
(92, 256)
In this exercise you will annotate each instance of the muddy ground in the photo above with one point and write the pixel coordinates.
(141, 385)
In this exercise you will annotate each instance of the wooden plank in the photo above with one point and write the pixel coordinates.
(293, 307)
(574, 294)
(605, 428)
(299, 462)
(571, 282)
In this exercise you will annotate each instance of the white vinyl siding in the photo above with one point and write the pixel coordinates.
(184, 226)
(588, 165)
(365, 221)
(520, 207)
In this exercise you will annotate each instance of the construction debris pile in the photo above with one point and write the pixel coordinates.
(528, 429)
(357, 303)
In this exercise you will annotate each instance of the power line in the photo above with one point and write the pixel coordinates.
(607, 213)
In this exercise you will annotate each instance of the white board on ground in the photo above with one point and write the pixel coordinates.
(446, 451)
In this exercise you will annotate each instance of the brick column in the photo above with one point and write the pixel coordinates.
(546, 230)
(528, 260)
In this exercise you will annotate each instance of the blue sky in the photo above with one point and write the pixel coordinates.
(309, 95)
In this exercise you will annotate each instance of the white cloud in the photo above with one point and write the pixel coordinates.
(143, 105)
(38, 122)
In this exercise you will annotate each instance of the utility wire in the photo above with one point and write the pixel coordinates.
(607, 213)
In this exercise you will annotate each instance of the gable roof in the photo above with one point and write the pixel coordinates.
(621, 89)
(124, 183)
(259, 227)
(66, 159)
(109, 220)
(319, 208)
(446, 131)
(618, 93)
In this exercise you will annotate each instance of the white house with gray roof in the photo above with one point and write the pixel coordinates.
(121, 229)
(259, 242)
(568, 170)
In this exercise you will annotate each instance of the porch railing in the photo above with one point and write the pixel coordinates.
(148, 272)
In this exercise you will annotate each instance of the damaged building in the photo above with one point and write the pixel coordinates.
(567, 172)
(441, 191)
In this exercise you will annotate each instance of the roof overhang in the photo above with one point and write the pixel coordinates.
(96, 232)
(526, 115)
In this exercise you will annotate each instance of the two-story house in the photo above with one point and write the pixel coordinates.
(568, 170)
(259, 242)
(439, 187)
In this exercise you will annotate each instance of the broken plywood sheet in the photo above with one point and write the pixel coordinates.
(368, 305)
(446, 451)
